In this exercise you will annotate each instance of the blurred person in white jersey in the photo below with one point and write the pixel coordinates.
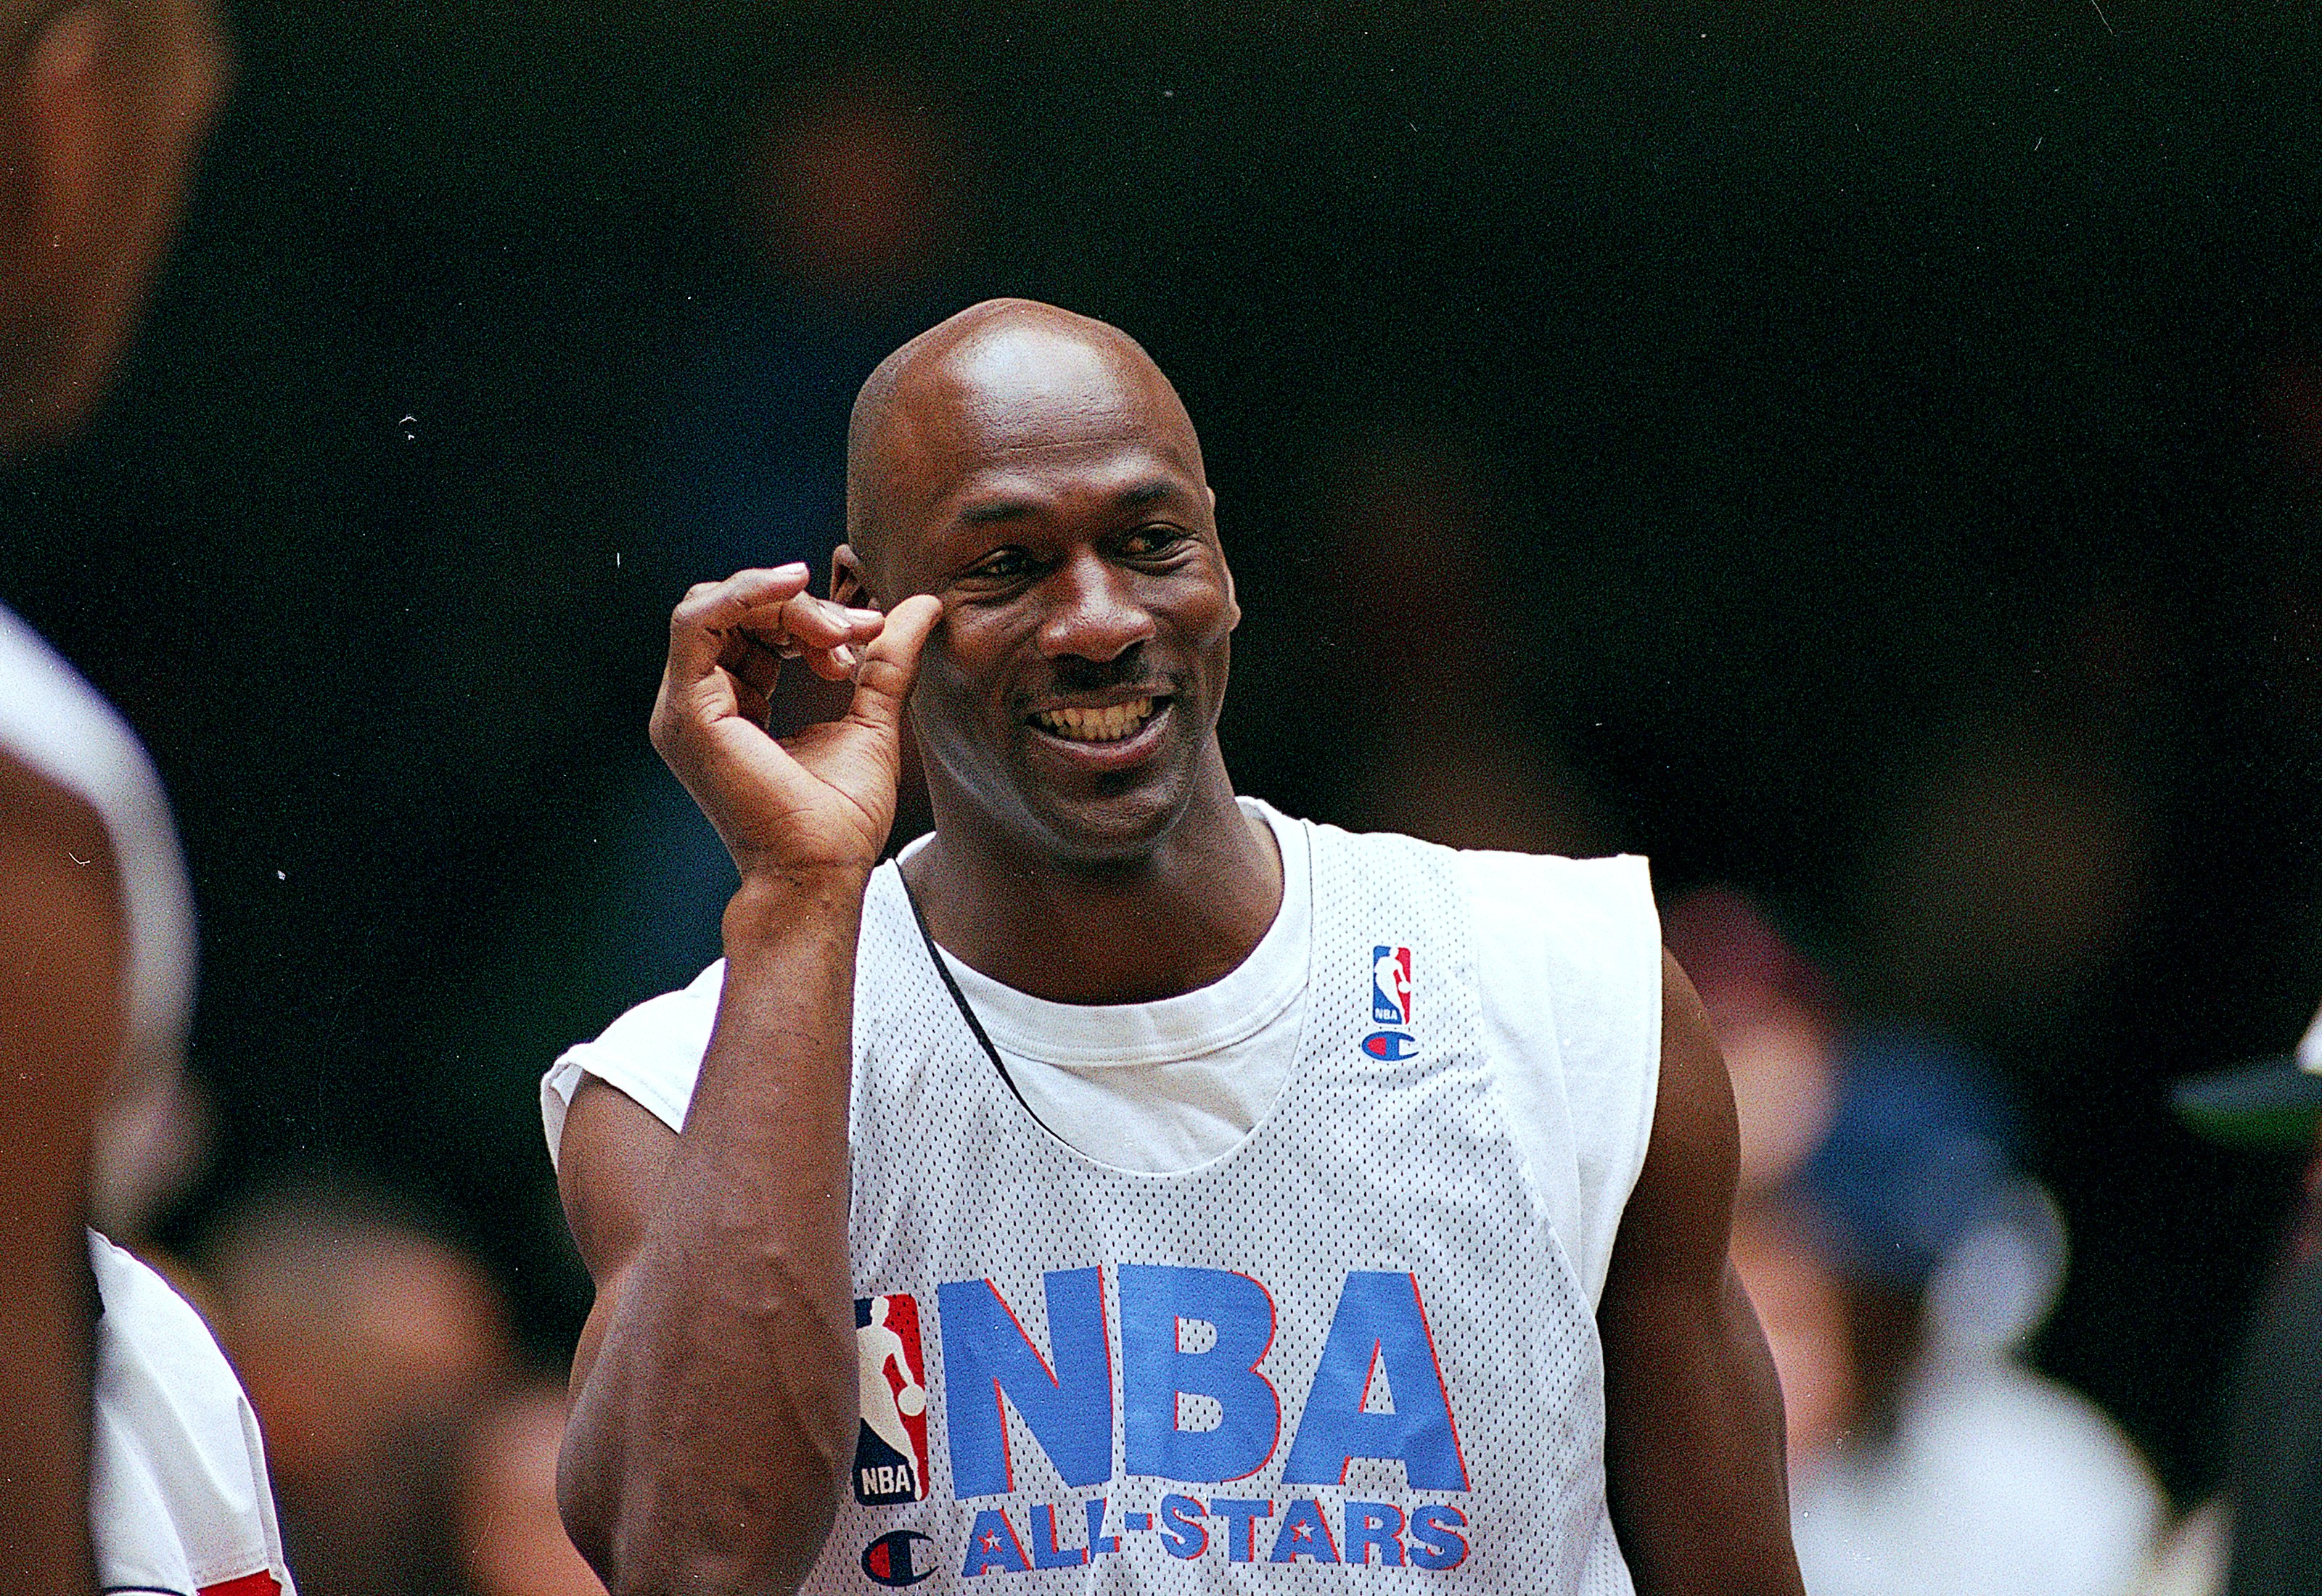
(1255, 1204)
(132, 1462)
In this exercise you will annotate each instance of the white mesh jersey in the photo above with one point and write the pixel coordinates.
(178, 1498)
(1352, 1353)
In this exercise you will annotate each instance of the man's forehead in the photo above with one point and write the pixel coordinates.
(1030, 388)
(1033, 405)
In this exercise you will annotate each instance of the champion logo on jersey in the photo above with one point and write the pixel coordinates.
(891, 1447)
(894, 1560)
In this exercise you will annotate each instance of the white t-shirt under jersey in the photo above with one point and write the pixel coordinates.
(1568, 969)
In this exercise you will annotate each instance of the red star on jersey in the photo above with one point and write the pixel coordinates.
(991, 1541)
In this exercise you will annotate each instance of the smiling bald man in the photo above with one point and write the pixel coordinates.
(1130, 1186)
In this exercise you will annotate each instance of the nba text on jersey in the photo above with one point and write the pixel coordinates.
(1189, 1409)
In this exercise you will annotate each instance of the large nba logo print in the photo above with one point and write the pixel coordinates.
(890, 1449)
(1391, 986)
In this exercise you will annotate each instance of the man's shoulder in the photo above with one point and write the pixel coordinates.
(1507, 886)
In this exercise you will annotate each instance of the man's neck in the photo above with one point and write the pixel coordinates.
(1184, 916)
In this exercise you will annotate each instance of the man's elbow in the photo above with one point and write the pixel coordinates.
(648, 1537)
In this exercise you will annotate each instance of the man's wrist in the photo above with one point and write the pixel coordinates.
(773, 904)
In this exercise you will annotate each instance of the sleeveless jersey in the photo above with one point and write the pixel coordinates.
(1349, 1355)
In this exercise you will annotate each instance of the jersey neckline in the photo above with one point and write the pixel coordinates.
(1230, 1009)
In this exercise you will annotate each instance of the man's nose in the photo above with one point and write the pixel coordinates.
(1093, 612)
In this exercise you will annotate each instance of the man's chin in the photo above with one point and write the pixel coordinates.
(1109, 830)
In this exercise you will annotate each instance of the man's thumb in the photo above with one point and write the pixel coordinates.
(891, 662)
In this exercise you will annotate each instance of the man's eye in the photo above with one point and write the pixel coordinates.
(1148, 541)
(1001, 566)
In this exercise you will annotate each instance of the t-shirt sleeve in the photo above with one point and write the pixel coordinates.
(653, 1052)
(1569, 965)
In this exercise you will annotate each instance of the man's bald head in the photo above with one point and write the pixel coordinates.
(1006, 374)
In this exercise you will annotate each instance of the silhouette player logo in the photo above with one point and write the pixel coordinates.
(1390, 985)
(890, 1449)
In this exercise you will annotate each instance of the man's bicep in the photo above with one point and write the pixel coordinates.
(1679, 1216)
(1693, 1411)
(611, 1162)
(62, 1027)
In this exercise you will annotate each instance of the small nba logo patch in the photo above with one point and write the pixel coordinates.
(891, 1448)
(1390, 985)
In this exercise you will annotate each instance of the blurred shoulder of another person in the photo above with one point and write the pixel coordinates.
(134, 1459)
(2277, 1460)
(149, 1472)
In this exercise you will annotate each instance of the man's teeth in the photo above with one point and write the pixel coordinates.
(1107, 725)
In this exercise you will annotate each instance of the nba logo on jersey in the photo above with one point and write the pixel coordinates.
(1391, 986)
(891, 1448)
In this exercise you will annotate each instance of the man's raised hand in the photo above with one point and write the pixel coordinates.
(825, 797)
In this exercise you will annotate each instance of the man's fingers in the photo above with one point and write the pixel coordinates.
(891, 662)
(802, 623)
(752, 662)
(832, 664)
(710, 611)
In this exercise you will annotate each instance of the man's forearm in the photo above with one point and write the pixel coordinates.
(713, 1428)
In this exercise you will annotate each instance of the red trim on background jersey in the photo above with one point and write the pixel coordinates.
(262, 1584)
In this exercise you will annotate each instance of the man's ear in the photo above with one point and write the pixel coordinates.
(1231, 603)
(55, 191)
(108, 119)
(850, 580)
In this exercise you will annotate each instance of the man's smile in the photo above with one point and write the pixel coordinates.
(1107, 723)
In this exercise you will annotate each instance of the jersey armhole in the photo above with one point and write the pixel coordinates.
(653, 1053)
(1568, 964)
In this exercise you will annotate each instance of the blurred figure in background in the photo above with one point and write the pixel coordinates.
(367, 1345)
(851, 210)
(133, 1461)
(1899, 1261)
(1960, 1470)
(512, 1543)
(2262, 1534)
(1444, 748)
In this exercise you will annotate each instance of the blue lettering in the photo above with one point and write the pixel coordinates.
(1183, 1533)
(1433, 1544)
(1304, 1533)
(1068, 1408)
(992, 1547)
(1380, 1322)
(1375, 1523)
(1045, 1552)
(1155, 1300)
(1241, 1526)
(1100, 1543)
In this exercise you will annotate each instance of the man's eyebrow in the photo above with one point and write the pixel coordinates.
(994, 509)
(1147, 493)
(1142, 494)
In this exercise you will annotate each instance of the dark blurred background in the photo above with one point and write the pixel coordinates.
(1870, 456)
